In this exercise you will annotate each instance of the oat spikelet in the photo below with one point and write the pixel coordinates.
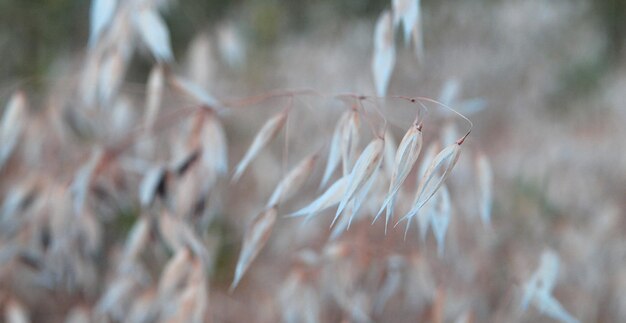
(349, 141)
(293, 181)
(368, 162)
(538, 289)
(485, 182)
(384, 53)
(391, 147)
(101, 14)
(263, 137)
(154, 33)
(405, 158)
(254, 240)
(335, 151)
(357, 201)
(330, 197)
(435, 175)
(407, 12)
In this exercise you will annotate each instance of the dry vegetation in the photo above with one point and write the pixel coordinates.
(202, 194)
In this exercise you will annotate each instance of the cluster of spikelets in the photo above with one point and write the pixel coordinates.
(171, 166)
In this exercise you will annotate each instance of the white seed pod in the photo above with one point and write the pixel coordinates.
(154, 33)
(269, 130)
(384, 53)
(485, 188)
(435, 175)
(101, 13)
(404, 160)
(255, 238)
(330, 197)
(13, 122)
(292, 181)
(364, 168)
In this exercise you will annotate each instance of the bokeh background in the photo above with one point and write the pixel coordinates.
(552, 75)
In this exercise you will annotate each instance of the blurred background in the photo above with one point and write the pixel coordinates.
(552, 74)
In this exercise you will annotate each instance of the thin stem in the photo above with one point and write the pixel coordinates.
(419, 98)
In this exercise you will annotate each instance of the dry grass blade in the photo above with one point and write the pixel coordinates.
(254, 240)
(13, 121)
(269, 130)
(363, 170)
(485, 182)
(293, 181)
(384, 53)
(405, 158)
(434, 177)
(154, 33)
